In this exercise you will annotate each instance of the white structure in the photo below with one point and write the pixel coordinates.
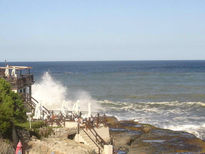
(76, 108)
(13, 72)
(108, 149)
(7, 74)
(38, 112)
(29, 117)
(64, 108)
(89, 110)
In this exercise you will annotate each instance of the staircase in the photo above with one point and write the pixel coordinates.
(32, 102)
(91, 135)
(90, 140)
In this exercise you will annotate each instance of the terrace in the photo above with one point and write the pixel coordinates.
(18, 76)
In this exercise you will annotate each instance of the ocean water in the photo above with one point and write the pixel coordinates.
(167, 94)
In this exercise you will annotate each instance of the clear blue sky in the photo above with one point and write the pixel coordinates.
(38, 30)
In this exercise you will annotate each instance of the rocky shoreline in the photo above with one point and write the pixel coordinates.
(128, 137)
(136, 138)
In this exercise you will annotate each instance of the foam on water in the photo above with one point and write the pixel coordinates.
(179, 116)
(197, 130)
(53, 95)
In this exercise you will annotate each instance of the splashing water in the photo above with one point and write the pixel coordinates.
(53, 95)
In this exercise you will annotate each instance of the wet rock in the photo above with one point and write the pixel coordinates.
(112, 122)
(166, 141)
(133, 137)
(166, 132)
(122, 140)
(147, 128)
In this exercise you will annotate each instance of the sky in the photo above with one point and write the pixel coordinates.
(92, 30)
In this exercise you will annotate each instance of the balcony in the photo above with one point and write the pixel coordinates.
(19, 78)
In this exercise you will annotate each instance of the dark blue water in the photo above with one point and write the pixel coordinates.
(130, 80)
(169, 94)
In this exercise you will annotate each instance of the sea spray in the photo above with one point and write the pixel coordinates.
(54, 96)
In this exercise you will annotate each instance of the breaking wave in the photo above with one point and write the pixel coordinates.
(54, 96)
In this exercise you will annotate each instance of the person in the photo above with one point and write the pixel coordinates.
(19, 148)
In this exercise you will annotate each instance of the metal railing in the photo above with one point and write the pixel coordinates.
(89, 125)
(95, 142)
(34, 101)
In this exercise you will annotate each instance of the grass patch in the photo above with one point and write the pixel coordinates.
(34, 124)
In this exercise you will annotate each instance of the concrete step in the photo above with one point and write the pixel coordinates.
(84, 134)
(87, 138)
(89, 141)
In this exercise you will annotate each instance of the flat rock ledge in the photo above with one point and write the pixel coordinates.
(135, 138)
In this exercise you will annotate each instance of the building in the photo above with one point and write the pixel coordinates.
(20, 79)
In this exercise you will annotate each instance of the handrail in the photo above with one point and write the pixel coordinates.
(96, 135)
(92, 140)
(98, 143)
(32, 102)
(42, 106)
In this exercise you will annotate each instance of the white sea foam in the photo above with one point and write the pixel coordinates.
(179, 116)
(197, 130)
(151, 106)
(53, 95)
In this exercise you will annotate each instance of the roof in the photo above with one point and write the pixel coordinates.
(17, 67)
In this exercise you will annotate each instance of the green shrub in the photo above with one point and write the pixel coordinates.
(12, 110)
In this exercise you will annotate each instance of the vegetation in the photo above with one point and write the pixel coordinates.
(34, 124)
(13, 113)
(12, 110)
(39, 128)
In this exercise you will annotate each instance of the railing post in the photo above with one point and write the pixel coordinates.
(104, 120)
(98, 119)
(78, 127)
(96, 138)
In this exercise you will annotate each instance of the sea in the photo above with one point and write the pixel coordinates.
(166, 94)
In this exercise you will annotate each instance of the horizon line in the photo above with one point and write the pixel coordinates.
(102, 60)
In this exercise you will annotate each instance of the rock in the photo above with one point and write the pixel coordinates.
(112, 121)
(6, 148)
(34, 138)
(147, 128)
(62, 133)
(166, 141)
(123, 140)
(133, 137)
(57, 145)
